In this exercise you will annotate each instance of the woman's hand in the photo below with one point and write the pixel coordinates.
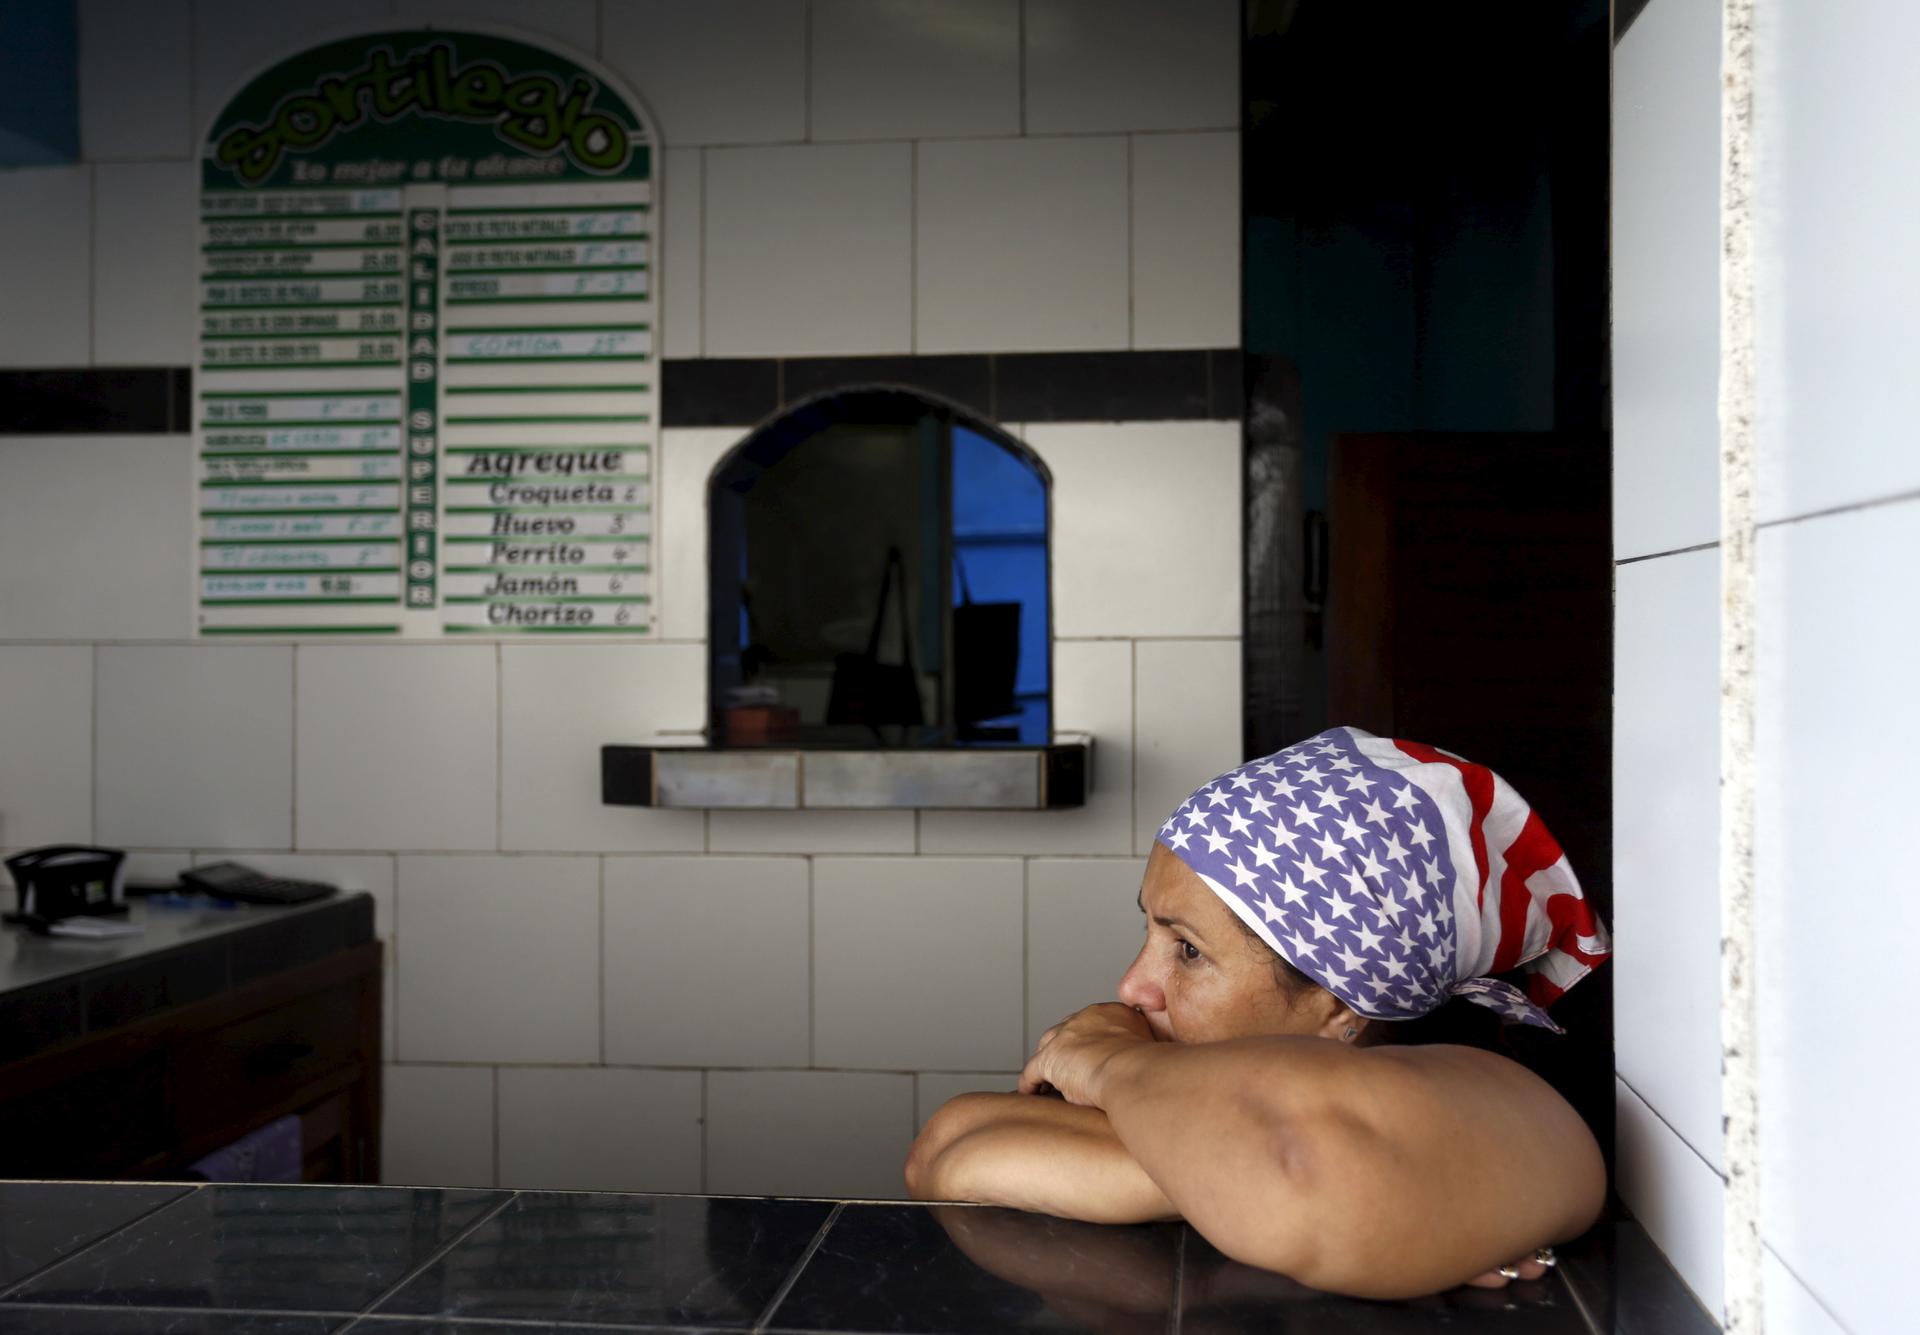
(1069, 1055)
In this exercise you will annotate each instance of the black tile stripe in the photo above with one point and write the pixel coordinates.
(101, 400)
(728, 391)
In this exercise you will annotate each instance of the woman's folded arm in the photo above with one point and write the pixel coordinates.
(1032, 1153)
(1382, 1173)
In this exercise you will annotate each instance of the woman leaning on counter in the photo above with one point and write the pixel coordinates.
(1271, 1076)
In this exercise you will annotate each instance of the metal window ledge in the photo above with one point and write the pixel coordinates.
(766, 778)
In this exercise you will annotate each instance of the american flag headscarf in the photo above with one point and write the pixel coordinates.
(1395, 875)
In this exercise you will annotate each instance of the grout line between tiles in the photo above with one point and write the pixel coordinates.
(293, 757)
(1021, 57)
(1898, 498)
(806, 74)
(1677, 551)
(810, 970)
(1026, 953)
(1132, 337)
(704, 1125)
(602, 958)
(1801, 1280)
(913, 247)
(433, 1258)
(93, 745)
(786, 1285)
(1580, 1304)
(93, 265)
(1179, 1296)
(496, 1126)
(9, 1290)
(500, 746)
(703, 263)
(1673, 1130)
(177, 1312)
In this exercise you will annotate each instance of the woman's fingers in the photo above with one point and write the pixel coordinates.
(1499, 1279)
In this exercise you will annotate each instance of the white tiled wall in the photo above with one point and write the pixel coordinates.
(1840, 654)
(1118, 572)
(946, 69)
(1836, 650)
(1021, 244)
(1842, 281)
(1666, 314)
(46, 745)
(1666, 808)
(808, 1133)
(497, 959)
(195, 745)
(437, 1126)
(44, 213)
(579, 1128)
(1100, 65)
(1666, 766)
(143, 312)
(917, 962)
(587, 996)
(833, 274)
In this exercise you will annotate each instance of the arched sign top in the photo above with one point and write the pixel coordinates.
(426, 400)
(425, 105)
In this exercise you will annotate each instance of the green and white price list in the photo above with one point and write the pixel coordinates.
(428, 409)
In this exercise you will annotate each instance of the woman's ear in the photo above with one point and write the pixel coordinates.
(1335, 1019)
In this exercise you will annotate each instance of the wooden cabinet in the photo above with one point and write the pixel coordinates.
(146, 1099)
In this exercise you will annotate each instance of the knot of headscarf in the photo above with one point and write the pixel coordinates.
(1393, 874)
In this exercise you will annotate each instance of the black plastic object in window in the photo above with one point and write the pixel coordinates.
(879, 575)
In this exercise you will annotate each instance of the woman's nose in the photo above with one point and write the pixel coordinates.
(1137, 987)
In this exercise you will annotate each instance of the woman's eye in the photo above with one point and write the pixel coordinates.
(1187, 951)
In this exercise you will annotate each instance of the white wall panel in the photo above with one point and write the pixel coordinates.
(1666, 284)
(559, 704)
(1840, 278)
(46, 745)
(45, 266)
(808, 1133)
(1021, 245)
(145, 263)
(131, 577)
(1839, 642)
(1674, 1194)
(195, 746)
(499, 959)
(1186, 724)
(135, 97)
(918, 69)
(596, 1129)
(1146, 527)
(1097, 65)
(717, 72)
(917, 963)
(809, 249)
(1666, 808)
(1186, 240)
(396, 747)
(706, 961)
(437, 1126)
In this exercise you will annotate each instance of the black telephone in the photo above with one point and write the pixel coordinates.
(67, 881)
(230, 880)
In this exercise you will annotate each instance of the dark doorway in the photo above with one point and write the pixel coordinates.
(1427, 484)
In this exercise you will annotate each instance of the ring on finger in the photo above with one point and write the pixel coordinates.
(1510, 1272)
(1546, 1257)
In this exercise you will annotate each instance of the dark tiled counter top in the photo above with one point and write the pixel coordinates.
(219, 1260)
(56, 989)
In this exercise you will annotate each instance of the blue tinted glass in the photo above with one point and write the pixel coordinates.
(1000, 556)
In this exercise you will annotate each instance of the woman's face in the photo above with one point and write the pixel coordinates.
(1200, 977)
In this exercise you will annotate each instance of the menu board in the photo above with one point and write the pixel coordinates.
(426, 391)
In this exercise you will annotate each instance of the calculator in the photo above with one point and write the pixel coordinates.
(230, 880)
